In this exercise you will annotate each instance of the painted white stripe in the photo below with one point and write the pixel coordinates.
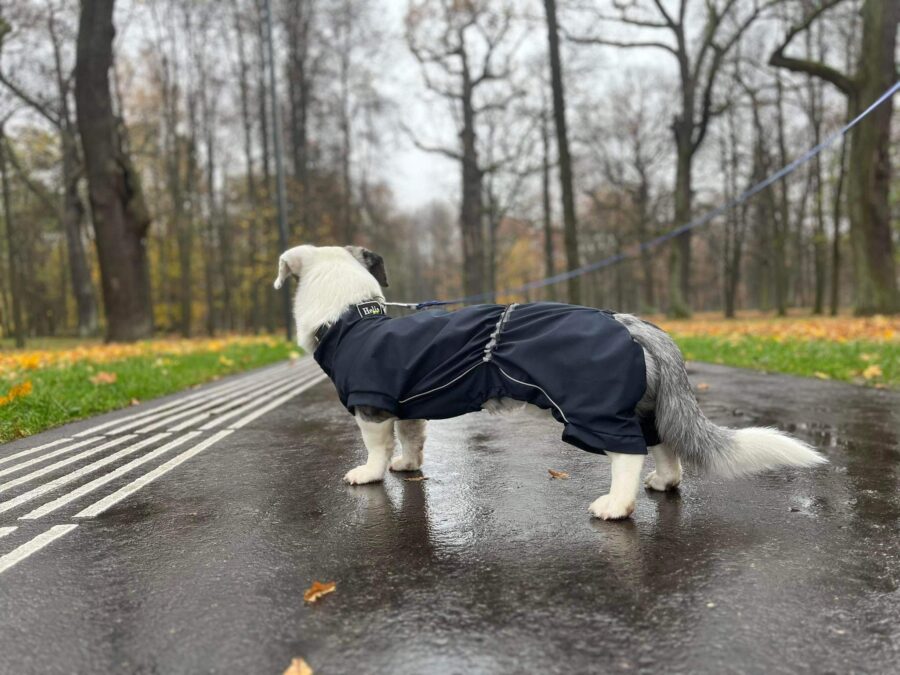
(204, 394)
(49, 507)
(216, 404)
(31, 451)
(41, 490)
(49, 455)
(65, 462)
(250, 405)
(33, 546)
(99, 507)
(274, 404)
(7, 530)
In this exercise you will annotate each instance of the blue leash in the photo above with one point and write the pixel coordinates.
(668, 236)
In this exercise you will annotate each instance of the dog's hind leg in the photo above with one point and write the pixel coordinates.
(412, 444)
(379, 439)
(667, 473)
(626, 480)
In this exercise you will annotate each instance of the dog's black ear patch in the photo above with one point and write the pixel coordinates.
(371, 308)
(372, 262)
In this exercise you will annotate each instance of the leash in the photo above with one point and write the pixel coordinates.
(636, 249)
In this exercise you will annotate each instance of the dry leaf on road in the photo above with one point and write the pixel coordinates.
(415, 479)
(298, 667)
(702, 386)
(103, 377)
(562, 475)
(318, 589)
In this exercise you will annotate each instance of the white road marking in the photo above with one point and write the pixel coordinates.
(49, 455)
(99, 507)
(75, 475)
(65, 462)
(7, 530)
(250, 405)
(211, 407)
(106, 478)
(19, 554)
(180, 401)
(31, 451)
(274, 404)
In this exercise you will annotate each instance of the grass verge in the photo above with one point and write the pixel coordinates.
(40, 390)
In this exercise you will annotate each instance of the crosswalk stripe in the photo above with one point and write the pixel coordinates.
(274, 404)
(7, 530)
(32, 546)
(31, 451)
(250, 405)
(99, 507)
(79, 492)
(49, 455)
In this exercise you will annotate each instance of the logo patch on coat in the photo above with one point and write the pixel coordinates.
(372, 308)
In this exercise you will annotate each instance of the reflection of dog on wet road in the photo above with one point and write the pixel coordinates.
(617, 384)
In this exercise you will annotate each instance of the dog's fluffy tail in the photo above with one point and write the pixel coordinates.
(699, 443)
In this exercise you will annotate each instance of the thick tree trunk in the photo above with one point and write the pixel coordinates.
(570, 224)
(120, 216)
(869, 183)
(472, 210)
(549, 266)
(680, 258)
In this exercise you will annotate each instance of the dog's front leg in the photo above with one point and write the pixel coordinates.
(626, 480)
(379, 439)
(412, 444)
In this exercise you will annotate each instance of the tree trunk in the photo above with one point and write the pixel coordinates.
(549, 265)
(472, 210)
(836, 231)
(15, 278)
(570, 224)
(869, 183)
(680, 258)
(72, 217)
(120, 216)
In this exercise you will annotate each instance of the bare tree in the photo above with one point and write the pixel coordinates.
(456, 45)
(120, 216)
(562, 146)
(869, 182)
(53, 105)
(15, 278)
(699, 66)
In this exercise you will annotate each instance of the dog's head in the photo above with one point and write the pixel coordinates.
(295, 261)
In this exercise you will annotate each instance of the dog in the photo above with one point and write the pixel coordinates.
(617, 383)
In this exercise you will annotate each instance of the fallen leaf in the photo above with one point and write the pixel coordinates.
(135, 401)
(15, 392)
(415, 479)
(225, 361)
(821, 375)
(293, 356)
(103, 377)
(702, 386)
(318, 589)
(298, 667)
(561, 475)
(872, 372)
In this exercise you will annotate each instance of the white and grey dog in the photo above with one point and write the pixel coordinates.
(332, 279)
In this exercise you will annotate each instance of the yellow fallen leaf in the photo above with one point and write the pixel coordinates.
(135, 401)
(866, 357)
(821, 375)
(298, 667)
(103, 377)
(293, 356)
(15, 392)
(702, 386)
(415, 479)
(225, 361)
(872, 372)
(561, 475)
(318, 589)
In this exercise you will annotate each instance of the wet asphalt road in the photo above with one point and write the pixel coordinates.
(489, 566)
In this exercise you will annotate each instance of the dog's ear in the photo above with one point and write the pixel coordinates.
(289, 263)
(371, 261)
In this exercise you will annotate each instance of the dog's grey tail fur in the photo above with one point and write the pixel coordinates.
(699, 443)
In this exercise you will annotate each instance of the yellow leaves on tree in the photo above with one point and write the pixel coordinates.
(298, 667)
(17, 391)
(103, 377)
(318, 589)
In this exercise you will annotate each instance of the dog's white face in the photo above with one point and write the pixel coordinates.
(329, 279)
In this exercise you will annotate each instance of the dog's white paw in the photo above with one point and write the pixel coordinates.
(608, 509)
(403, 463)
(362, 475)
(661, 483)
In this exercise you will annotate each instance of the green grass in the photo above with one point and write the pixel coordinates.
(64, 394)
(844, 361)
